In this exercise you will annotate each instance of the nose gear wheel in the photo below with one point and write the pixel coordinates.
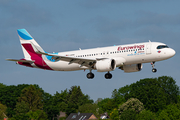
(154, 70)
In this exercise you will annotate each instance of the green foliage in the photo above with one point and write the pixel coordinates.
(9, 96)
(21, 109)
(22, 116)
(2, 86)
(62, 118)
(107, 105)
(129, 114)
(49, 106)
(76, 98)
(90, 108)
(155, 93)
(120, 95)
(114, 114)
(2, 111)
(132, 104)
(146, 115)
(98, 100)
(30, 104)
(172, 112)
(32, 96)
(160, 96)
(58, 103)
(37, 115)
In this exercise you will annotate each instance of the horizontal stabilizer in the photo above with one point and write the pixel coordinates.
(25, 61)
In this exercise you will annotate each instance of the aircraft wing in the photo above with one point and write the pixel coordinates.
(71, 59)
(81, 61)
(22, 60)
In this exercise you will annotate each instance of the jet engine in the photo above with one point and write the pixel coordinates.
(132, 68)
(105, 65)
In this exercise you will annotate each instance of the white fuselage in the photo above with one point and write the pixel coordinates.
(131, 53)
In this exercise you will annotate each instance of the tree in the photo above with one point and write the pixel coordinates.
(107, 105)
(146, 115)
(132, 104)
(172, 112)
(2, 111)
(76, 98)
(48, 106)
(90, 108)
(114, 115)
(155, 93)
(121, 94)
(32, 96)
(37, 115)
(9, 96)
(2, 86)
(21, 109)
(129, 114)
(98, 100)
(58, 103)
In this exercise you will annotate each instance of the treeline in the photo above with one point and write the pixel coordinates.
(147, 99)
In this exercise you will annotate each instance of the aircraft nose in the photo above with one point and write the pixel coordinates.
(172, 52)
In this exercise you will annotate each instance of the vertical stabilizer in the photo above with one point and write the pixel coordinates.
(30, 48)
(27, 42)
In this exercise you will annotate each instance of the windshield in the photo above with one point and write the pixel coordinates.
(162, 46)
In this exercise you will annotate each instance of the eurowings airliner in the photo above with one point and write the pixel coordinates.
(128, 57)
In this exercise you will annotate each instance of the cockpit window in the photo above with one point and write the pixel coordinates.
(162, 46)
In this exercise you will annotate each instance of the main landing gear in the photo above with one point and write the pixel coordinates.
(90, 75)
(108, 75)
(154, 70)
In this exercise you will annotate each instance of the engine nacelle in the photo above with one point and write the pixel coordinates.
(132, 68)
(105, 65)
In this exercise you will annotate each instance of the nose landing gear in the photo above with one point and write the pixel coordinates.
(154, 70)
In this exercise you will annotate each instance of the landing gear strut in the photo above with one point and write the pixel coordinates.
(108, 75)
(90, 75)
(154, 69)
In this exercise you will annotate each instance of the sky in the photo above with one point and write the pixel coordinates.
(62, 25)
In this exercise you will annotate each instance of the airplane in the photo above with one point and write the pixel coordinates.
(128, 57)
